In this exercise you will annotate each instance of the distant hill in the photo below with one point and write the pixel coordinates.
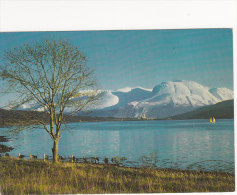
(20, 117)
(223, 109)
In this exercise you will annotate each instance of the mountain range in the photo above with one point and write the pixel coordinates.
(166, 99)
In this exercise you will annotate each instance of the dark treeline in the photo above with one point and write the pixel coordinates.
(20, 117)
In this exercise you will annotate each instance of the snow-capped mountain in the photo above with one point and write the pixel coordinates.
(166, 99)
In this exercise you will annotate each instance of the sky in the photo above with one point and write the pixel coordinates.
(147, 57)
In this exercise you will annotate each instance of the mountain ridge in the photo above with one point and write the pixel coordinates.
(166, 99)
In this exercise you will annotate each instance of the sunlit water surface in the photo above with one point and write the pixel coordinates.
(186, 144)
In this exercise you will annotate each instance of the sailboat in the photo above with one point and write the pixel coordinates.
(212, 120)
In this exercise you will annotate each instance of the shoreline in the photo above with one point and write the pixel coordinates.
(37, 176)
(95, 161)
(102, 119)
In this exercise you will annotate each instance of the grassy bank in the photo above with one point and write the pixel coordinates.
(34, 177)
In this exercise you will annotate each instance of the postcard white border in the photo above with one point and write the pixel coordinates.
(72, 15)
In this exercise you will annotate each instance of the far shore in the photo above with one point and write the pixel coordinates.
(84, 119)
(73, 119)
(222, 110)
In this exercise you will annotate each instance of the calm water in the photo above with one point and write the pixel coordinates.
(190, 144)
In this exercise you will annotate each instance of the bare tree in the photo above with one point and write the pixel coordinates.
(54, 76)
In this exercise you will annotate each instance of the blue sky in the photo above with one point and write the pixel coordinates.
(147, 57)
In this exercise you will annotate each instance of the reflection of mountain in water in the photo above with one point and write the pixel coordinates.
(4, 148)
(178, 144)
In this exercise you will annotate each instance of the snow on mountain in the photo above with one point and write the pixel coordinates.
(134, 95)
(128, 89)
(183, 93)
(171, 98)
(31, 106)
(125, 89)
(108, 100)
(222, 93)
(166, 99)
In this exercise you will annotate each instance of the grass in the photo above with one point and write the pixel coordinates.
(20, 176)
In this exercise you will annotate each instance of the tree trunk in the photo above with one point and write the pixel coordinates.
(55, 151)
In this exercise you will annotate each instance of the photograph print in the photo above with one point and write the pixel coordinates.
(117, 111)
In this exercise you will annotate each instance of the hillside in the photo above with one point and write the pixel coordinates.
(20, 117)
(223, 109)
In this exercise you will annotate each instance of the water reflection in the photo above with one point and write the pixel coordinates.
(4, 148)
(177, 143)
